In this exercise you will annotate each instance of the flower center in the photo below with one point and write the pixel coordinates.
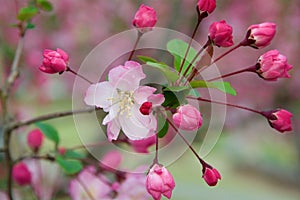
(126, 102)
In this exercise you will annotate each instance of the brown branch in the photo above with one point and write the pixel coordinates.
(50, 116)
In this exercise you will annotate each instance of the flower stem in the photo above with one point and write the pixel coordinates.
(227, 104)
(221, 56)
(194, 59)
(155, 161)
(202, 162)
(80, 76)
(248, 69)
(201, 16)
(140, 34)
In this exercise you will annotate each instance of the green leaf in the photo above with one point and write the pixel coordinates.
(165, 69)
(220, 85)
(30, 26)
(146, 59)
(178, 49)
(177, 88)
(49, 131)
(69, 166)
(45, 5)
(163, 127)
(175, 98)
(71, 154)
(27, 13)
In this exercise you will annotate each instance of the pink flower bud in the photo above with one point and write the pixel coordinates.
(62, 150)
(111, 160)
(272, 66)
(141, 146)
(145, 18)
(187, 118)
(159, 182)
(54, 61)
(207, 5)
(279, 119)
(21, 174)
(35, 139)
(146, 108)
(211, 176)
(221, 34)
(261, 35)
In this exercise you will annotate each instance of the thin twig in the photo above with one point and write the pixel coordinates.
(50, 116)
(79, 75)
(202, 162)
(139, 36)
(226, 104)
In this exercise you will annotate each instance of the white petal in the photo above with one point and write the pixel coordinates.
(138, 126)
(99, 95)
(113, 130)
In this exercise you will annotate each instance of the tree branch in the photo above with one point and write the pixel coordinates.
(50, 116)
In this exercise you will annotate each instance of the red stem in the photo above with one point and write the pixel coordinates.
(226, 104)
(202, 162)
(221, 56)
(76, 74)
(135, 45)
(248, 69)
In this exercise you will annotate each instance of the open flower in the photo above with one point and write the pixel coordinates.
(88, 185)
(133, 187)
(122, 96)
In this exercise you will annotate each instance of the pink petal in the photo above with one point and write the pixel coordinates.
(142, 93)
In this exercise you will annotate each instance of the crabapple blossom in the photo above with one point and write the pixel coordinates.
(211, 176)
(35, 139)
(273, 65)
(45, 177)
(160, 182)
(21, 174)
(145, 18)
(141, 146)
(187, 118)
(122, 96)
(207, 5)
(54, 61)
(133, 187)
(221, 34)
(112, 159)
(88, 183)
(261, 35)
(279, 119)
